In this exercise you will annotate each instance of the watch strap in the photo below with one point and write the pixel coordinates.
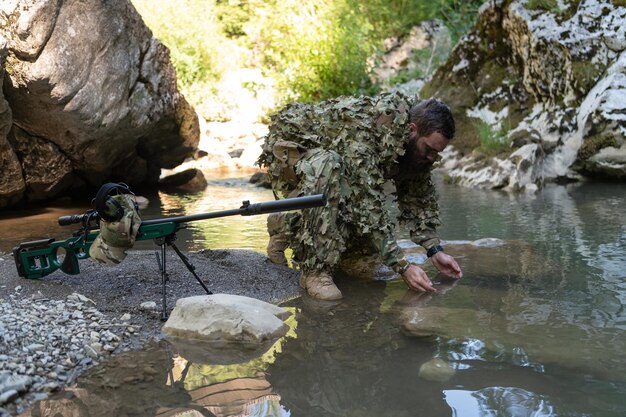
(433, 250)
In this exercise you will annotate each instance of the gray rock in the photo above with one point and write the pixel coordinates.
(260, 179)
(190, 180)
(8, 396)
(79, 297)
(19, 383)
(148, 305)
(12, 184)
(436, 370)
(549, 84)
(226, 318)
(93, 94)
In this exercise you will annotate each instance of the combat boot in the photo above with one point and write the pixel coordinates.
(320, 285)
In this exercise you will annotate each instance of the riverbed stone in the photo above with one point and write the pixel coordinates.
(148, 306)
(10, 382)
(226, 317)
(190, 180)
(7, 396)
(436, 370)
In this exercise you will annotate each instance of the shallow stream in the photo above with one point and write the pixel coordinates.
(536, 327)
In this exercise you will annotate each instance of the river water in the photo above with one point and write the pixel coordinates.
(536, 327)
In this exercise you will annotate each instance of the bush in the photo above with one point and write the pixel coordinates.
(314, 49)
(492, 141)
(199, 50)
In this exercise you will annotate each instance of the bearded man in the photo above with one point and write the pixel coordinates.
(351, 149)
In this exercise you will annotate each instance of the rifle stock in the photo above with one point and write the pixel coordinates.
(39, 258)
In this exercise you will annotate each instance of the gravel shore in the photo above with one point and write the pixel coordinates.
(54, 328)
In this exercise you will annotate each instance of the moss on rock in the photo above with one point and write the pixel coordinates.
(585, 75)
(593, 144)
(547, 5)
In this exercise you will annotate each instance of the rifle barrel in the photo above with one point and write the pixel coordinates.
(247, 209)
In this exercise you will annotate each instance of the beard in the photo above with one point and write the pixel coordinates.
(412, 163)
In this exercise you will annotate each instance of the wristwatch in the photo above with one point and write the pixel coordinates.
(433, 250)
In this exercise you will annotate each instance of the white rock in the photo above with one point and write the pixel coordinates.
(81, 298)
(226, 318)
(148, 306)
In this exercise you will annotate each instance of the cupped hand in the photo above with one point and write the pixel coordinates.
(446, 264)
(417, 280)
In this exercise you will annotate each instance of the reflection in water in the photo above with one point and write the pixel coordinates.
(246, 232)
(535, 327)
(228, 390)
(160, 382)
(498, 401)
(352, 357)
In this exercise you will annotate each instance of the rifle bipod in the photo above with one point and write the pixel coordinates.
(163, 242)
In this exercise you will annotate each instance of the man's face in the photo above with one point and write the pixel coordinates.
(424, 150)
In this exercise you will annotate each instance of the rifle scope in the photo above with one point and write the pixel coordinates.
(78, 218)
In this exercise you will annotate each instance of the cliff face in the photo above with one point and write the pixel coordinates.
(547, 86)
(89, 96)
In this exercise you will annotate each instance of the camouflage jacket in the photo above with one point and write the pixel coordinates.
(369, 134)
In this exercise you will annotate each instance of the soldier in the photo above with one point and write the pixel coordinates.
(348, 148)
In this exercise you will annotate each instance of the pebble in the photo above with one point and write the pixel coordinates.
(148, 305)
(436, 370)
(43, 348)
(7, 396)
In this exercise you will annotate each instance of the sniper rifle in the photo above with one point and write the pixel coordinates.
(39, 258)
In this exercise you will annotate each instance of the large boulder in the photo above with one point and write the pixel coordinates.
(545, 86)
(11, 182)
(93, 98)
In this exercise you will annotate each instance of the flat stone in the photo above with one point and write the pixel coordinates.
(436, 370)
(8, 396)
(148, 305)
(19, 383)
(225, 317)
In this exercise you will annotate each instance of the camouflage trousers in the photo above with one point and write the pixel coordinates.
(320, 236)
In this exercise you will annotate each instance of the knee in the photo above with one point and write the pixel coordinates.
(276, 223)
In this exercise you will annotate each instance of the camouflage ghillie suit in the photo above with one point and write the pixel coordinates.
(348, 148)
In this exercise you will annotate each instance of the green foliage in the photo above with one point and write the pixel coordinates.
(547, 5)
(492, 141)
(320, 49)
(459, 16)
(199, 50)
(233, 15)
(314, 49)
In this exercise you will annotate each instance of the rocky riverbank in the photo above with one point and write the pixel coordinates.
(53, 329)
